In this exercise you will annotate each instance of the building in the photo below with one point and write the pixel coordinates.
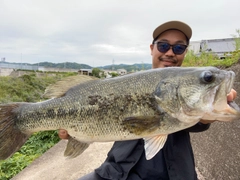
(219, 47)
(121, 71)
(85, 72)
(195, 46)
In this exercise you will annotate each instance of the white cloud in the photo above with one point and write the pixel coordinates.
(108, 48)
(96, 32)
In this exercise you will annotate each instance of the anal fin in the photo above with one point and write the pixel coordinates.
(74, 148)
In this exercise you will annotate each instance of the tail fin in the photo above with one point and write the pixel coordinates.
(11, 138)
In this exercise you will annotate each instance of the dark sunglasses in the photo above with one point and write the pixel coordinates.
(176, 48)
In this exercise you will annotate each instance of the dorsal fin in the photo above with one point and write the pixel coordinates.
(61, 87)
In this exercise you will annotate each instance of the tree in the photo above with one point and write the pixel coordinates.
(237, 39)
(96, 72)
(114, 74)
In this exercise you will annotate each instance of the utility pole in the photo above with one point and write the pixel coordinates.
(142, 66)
(113, 65)
(21, 61)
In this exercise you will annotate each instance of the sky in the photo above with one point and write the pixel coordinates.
(103, 32)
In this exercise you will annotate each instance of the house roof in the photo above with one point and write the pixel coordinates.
(89, 70)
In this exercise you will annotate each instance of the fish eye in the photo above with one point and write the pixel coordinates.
(207, 76)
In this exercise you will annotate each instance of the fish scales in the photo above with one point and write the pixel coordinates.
(97, 104)
(87, 119)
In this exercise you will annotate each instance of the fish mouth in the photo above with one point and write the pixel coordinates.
(223, 110)
(234, 106)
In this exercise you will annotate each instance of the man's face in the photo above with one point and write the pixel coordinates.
(168, 58)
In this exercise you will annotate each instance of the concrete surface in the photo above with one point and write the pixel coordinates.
(52, 165)
(217, 151)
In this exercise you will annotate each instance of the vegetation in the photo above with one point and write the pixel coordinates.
(237, 39)
(97, 72)
(27, 88)
(209, 59)
(113, 74)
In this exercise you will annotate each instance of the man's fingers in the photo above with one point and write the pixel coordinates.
(232, 95)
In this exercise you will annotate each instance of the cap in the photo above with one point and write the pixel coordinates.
(178, 25)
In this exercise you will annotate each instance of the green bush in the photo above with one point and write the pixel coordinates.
(209, 59)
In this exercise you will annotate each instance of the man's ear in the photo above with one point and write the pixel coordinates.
(151, 48)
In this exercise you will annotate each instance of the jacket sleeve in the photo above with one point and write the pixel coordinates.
(199, 127)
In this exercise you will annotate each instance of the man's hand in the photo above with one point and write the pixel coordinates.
(230, 97)
(63, 134)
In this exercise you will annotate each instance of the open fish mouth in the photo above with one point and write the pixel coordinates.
(234, 107)
(223, 110)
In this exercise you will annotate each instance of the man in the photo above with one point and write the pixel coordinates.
(126, 159)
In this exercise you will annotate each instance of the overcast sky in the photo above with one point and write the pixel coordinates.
(102, 32)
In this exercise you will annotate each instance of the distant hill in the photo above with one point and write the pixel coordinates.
(71, 65)
(129, 68)
(68, 65)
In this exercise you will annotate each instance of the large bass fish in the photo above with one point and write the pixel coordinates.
(149, 104)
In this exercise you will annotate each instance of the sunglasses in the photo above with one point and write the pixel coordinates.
(163, 47)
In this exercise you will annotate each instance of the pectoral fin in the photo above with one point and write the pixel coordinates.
(141, 125)
(75, 148)
(153, 145)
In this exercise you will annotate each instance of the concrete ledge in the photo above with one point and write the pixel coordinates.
(52, 165)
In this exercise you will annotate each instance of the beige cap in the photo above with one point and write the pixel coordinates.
(173, 25)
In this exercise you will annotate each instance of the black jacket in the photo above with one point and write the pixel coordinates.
(126, 160)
